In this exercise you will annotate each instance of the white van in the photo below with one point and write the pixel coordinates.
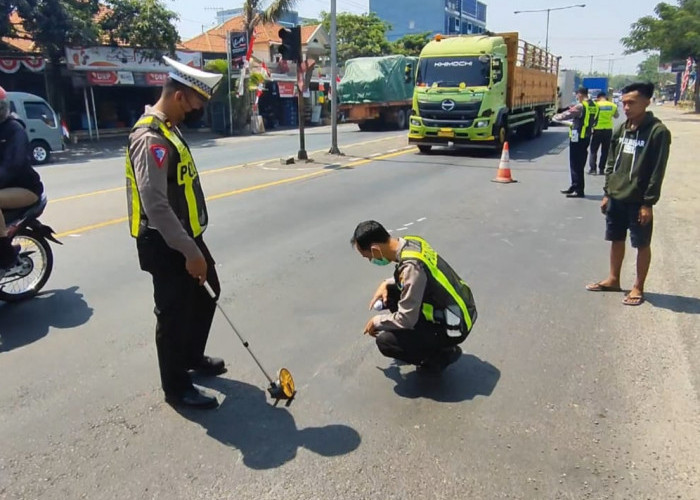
(43, 125)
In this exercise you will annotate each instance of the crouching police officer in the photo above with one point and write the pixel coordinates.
(167, 216)
(430, 309)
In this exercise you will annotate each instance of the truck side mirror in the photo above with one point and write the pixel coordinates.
(408, 73)
(497, 70)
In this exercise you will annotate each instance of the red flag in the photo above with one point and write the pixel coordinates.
(251, 42)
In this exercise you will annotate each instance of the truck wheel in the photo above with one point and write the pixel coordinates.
(41, 152)
(424, 148)
(401, 119)
(500, 135)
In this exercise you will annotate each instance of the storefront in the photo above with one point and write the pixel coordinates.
(112, 86)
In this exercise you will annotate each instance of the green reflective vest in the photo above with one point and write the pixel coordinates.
(447, 299)
(184, 190)
(584, 124)
(606, 115)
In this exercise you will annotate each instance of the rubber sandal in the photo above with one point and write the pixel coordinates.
(637, 300)
(599, 287)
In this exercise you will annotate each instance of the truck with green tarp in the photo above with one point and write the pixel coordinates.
(476, 90)
(376, 92)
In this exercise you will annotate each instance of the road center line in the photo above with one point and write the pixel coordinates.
(205, 172)
(256, 187)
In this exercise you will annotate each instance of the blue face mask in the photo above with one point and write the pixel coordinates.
(379, 262)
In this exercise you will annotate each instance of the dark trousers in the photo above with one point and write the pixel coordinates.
(413, 346)
(578, 153)
(184, 310)
(601, 139)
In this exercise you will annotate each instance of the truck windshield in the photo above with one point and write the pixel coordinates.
(451, 71)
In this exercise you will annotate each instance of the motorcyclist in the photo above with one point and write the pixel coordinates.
(20, 185)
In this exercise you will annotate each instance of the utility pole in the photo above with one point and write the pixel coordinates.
(334, 87)
(546, 43)
(301, 79)
(591, 57)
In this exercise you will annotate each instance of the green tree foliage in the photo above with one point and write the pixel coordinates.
(648, 70)
(359, 35)
(254, 13)
(411, 45)
(674, 30)
(55, 24)
(147, 24)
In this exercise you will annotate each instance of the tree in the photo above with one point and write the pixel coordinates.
(55, 24)
(411, 45)
(648, 70)
(674, 30)
(359, 35)
(254, 14)
(147, 24)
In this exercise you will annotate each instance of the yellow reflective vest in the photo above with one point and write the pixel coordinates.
(184, 189)
(606, 115)
(446, 295)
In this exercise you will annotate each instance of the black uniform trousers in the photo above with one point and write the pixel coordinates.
(578, 153)
(416, 345)
(184, 310)
(601, 139)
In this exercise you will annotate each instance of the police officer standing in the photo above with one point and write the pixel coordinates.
(582, 116)
(429, 310)
(167, 216)
(602, 133)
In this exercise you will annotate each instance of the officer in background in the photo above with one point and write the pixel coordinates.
(167, 216)
(602, 133)
(582, 118)
(430, 309)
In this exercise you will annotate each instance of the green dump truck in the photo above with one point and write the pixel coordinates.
(476, 90)
(377, 92)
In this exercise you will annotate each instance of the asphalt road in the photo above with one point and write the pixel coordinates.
(561, 393)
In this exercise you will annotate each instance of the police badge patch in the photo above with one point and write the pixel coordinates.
(159, 153)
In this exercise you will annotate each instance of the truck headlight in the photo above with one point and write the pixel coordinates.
(415, 121)
(482, 124)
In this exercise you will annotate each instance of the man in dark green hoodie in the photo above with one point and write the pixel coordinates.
(633, 178)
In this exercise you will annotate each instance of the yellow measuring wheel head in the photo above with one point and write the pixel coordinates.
(283, 387)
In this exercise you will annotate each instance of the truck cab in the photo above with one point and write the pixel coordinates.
(474, 90)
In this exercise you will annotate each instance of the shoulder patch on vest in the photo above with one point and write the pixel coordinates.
(159, 153)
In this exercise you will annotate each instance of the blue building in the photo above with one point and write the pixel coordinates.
(437, 16)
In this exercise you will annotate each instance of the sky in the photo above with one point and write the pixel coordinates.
(594, 30)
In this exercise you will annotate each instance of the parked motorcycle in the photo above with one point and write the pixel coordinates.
(34, 264)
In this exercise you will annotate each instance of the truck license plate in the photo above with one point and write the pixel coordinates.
(446, 132)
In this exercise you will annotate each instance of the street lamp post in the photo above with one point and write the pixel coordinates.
(546, 45)
(592, 56)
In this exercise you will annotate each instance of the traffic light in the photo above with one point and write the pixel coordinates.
(291, 44)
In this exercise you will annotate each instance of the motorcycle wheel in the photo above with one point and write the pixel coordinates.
(32, 271)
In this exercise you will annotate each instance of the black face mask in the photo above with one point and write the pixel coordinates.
(192, 118)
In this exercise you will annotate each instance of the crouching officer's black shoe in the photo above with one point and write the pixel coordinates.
(210, 367)
(437, 364)
(192, 398)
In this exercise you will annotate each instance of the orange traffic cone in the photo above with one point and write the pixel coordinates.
(503, 174)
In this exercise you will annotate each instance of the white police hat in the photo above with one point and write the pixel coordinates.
(203, 82)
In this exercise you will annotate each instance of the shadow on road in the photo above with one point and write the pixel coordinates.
(675, 303)
(462, 381)
(25, 322)
(267, 436)
(115, 147)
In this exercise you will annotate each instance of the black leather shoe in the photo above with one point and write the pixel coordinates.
(192, 398)
(601, 172)
(210, 367)
(591, 172)
(575, 195)
(567, 191)
(437, 364)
